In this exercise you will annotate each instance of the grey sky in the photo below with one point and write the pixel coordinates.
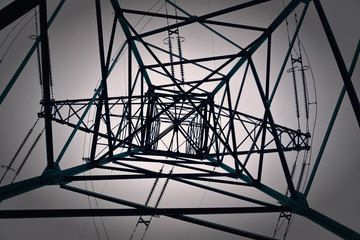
(76, 71)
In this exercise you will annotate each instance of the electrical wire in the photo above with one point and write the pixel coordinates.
(307, 154)
(306, 163)
(97, 206)
(12, 29)
(9, 166)
(316, 113)
(200, 204)
(27, 155)
(138, 22)
(93, 219)
(16, 36)
(92, 187)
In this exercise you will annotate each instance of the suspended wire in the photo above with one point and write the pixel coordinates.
(158, 201)
(303, 77)
(282, 216)
(84, 228)
(151, 194)
(305, 164)
(151, 16)
(292, 70)
(16, 36)
(86, 158)
(9, 166)
(39, 61)
(138, 22)
(97, 206)
(179, 40)
(315, 117)
(27, 155)
(126, 47)
(200, 204)
(38, 56)
(307, 154)
(168, 42)
(93, 219)
(147, 201)
(88, 197)
(17, 172)
(12, 29)
(51, 76)
(212, 39)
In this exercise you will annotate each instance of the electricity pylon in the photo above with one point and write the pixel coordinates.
(180, 113)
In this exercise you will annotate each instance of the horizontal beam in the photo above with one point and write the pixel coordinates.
(197, 60)
(143, 176)
(168, 16)
(47, 178)
(203, 17)
(273, 150)
(55, 213)
(201, 222)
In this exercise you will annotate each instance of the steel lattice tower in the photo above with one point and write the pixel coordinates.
(185, 120)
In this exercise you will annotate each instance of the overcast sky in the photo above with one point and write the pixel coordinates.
(76, 72)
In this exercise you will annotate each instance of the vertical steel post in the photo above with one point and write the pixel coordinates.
(129, 93)
(232, 127)
(104, 70)
(267, 90)
(142, 104)
(45, 57)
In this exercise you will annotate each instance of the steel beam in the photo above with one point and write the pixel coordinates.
(45, 61)
(116, 212)
(183, 93)
(340, 61)
(331, 124)
(220, 227)
(145, 176)
(28, 55)
(47, 178)
(15, 10)
(205, 21)
(203, 17)
(276, 137)
(104, 72)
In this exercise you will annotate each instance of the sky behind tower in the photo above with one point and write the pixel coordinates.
(76, 73)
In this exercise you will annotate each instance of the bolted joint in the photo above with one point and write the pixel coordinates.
(176, 125)
(299, 205)
(51, 175)
(209, 99)
(41, 114)
(256, 183)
